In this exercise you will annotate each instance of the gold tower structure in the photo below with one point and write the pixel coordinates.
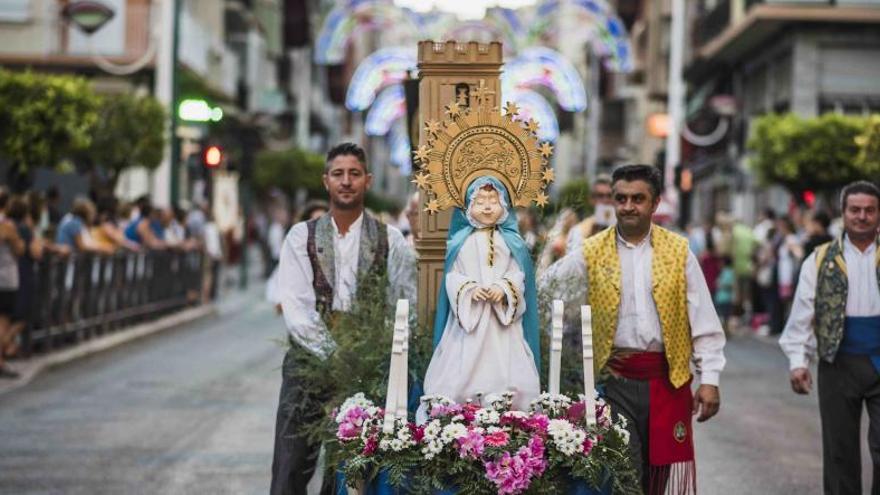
(448, 71)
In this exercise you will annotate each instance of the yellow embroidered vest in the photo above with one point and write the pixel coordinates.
(669, 260)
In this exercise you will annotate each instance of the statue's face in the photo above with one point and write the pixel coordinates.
(486, 207)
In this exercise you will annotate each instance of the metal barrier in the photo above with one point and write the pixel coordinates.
(80, 296)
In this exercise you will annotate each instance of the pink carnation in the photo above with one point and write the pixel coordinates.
(351, 424)
(576, 412)
(538, 422)
(471, 445)
(587, 446)
(370, 446)
(497, 439)
(417, 432)
(513, 474)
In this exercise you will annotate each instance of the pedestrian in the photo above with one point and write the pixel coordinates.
(11, 247)
(724, 291)
(788, 257)
(817, 232)
(74, 230)
(836, 313)
(652, 317)
(20, 212)
(321, 261)
(146, 230)
(602, 217)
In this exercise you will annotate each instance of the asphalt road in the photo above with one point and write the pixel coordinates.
(192, 411)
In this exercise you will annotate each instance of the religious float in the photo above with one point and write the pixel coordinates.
(483, 424)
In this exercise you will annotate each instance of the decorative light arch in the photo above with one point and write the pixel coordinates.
(541, 66)
(346, 20)
(401, 152)
(606, 34)
(389, 106)
(534, 106)
(382, 68)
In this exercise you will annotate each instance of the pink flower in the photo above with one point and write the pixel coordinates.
(417, 432)
(469, 412)
(441, 410)
(576, 411)
(512, 474)
(588, 446)
(352, 422)
(471, 445)
(497, 439)
(370, 446)
(538, 422)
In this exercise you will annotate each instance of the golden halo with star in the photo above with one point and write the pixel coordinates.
(472, 143)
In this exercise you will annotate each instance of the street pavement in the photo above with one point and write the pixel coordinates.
(192, 411)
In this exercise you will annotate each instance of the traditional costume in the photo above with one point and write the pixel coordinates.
(317, 276)
(483, 347)
(836, 311)
(652, 317)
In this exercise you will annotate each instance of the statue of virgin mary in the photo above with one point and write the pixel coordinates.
(486, 327)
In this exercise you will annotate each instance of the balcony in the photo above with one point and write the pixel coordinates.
(725, 43)
(206, 55)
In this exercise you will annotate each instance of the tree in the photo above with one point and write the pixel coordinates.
(129, 133)
(289, 170)
(808, 154)
(44, 119)
(575, 194)
(868, 158)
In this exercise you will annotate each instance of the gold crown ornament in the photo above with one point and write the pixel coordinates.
(472, 143)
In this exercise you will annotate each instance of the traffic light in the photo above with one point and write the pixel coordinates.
(212, 157)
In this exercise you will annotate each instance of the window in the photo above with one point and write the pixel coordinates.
(15, 10)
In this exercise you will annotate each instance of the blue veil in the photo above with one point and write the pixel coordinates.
(459, 230)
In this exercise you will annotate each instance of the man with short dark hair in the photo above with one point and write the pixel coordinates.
(836, 314)
(321, 262)
(602, 217)
(652, 317)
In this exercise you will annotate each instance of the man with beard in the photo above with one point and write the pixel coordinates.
(320, 265)
(652, 316)
(836, 313)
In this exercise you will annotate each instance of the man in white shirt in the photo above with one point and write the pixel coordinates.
(602, 217)
(836, 314)
(321, 262)
(652, 317)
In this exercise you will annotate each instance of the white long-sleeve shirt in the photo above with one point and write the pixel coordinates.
(798, 341)
(638, 324)
(296, 294)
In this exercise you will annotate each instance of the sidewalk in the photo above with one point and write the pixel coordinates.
(230, 300)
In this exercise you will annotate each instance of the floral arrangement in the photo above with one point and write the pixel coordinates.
(487, 448)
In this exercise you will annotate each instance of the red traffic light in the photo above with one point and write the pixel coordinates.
(213, 156)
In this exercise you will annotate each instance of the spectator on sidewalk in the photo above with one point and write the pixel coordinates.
(146, 230)
(11, 247)
(73, 232)
(724, 290)
(106, 232)
(20, 213)
(817, 232)
(213, 245)
(788, 257)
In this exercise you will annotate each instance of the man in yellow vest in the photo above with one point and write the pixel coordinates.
(836, 315)
(652, 317)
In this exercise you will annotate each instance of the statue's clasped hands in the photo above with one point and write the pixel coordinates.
(493, 293)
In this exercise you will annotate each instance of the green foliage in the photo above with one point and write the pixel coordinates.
(289, 170)
(868, 158)
(379, 203)
(575, 194)
(816, 153)
(44, 119)
(129, 132)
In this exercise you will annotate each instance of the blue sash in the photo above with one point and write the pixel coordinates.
(861, 335)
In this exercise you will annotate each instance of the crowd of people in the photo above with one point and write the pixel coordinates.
(33, 227)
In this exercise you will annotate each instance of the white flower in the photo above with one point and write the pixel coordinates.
(487, 417)
(622, 419)
(432, 430)
(431, 449)
(552, 404)
(436, 399)
(566, 437)
(623, 432)
(452, 431)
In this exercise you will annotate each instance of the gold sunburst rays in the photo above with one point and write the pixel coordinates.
(480, 141)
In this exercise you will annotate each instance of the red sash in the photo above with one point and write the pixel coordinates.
(670, 430)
